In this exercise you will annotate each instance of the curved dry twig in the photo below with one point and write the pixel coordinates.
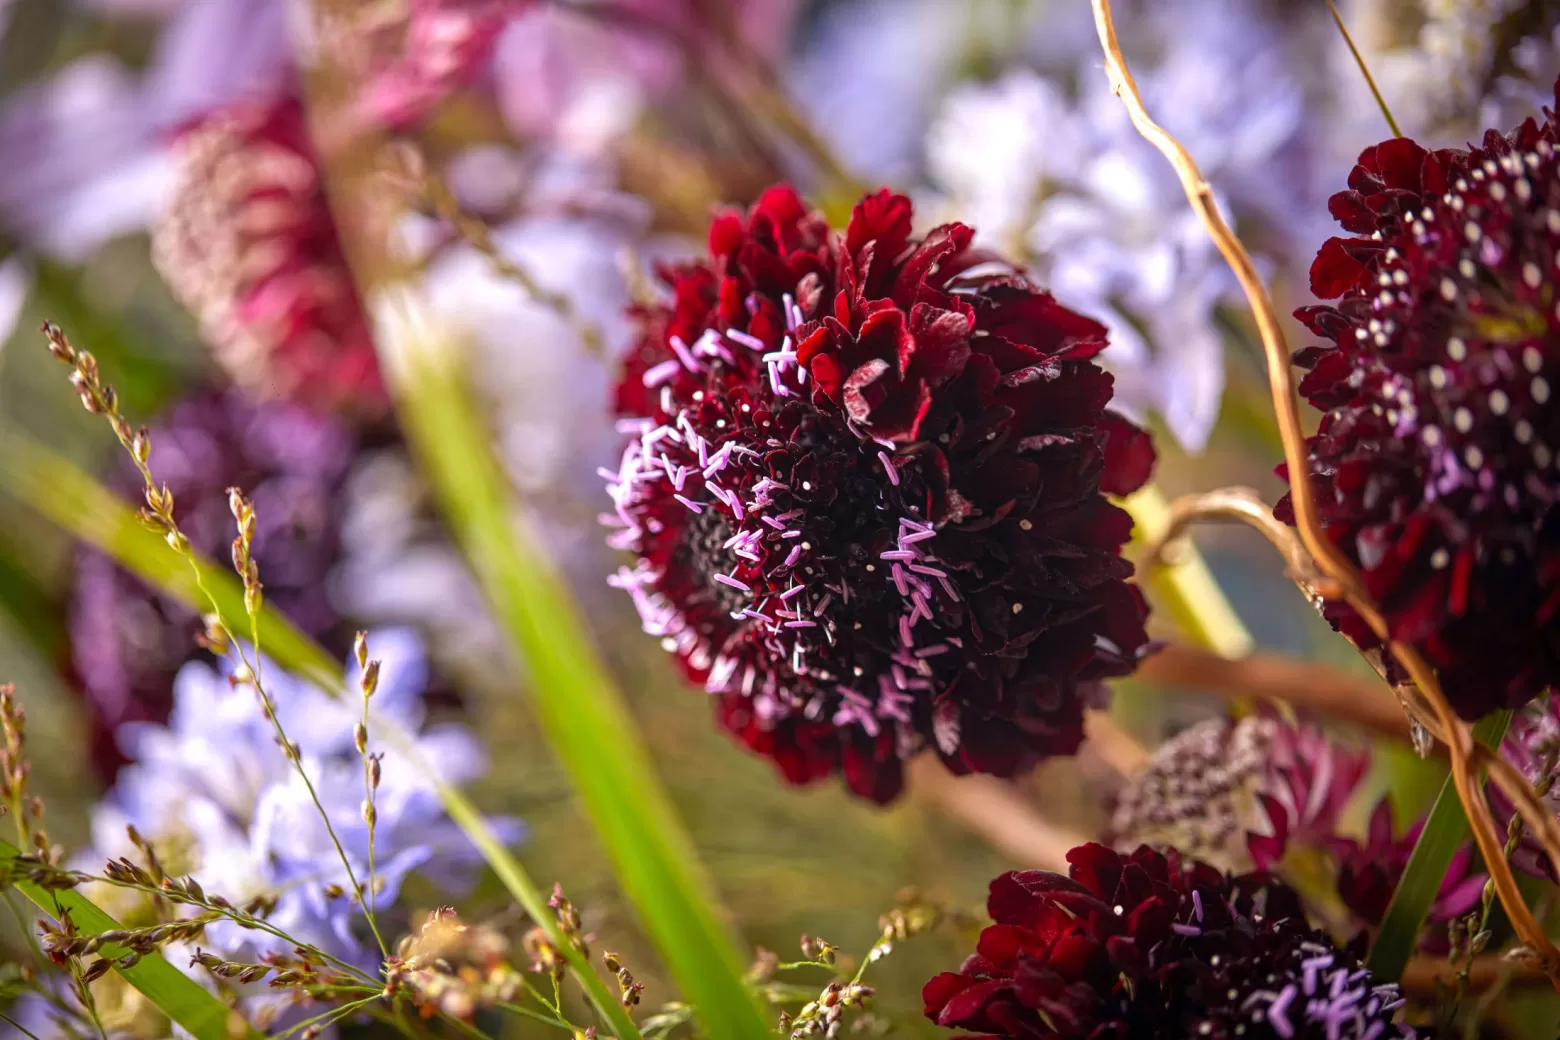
(1325, 691)
(996, 811)
(1326, 556)
(1243, 505)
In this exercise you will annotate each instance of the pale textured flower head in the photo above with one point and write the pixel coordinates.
(1236, 793)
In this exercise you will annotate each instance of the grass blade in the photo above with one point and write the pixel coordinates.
(174, 993)
(1445, 831)
(62, 492)
(70, 498)
(581, 711)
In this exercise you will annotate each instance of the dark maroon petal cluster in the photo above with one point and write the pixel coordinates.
(1435, 463)
(1146, 946)
(248, 244)
(1368, 873)
(865, 490)
(127, 641)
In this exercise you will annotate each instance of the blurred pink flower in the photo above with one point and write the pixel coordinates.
(580, 75)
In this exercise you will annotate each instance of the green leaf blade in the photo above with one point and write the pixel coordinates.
(1445, 830)
(175, 994)
(583, 715)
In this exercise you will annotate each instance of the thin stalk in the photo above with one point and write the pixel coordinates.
(535, 1016)
(61, 492)
(1445, 831)
(169, 990)
(580, 708)
(1185, 588)
(1359, 59)
(14, 1024)
(99, 398)
(1435, 714)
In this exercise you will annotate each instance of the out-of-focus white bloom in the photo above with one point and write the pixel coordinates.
(1063, 179)
(546, 394)
(872, 77)
(1436, 63)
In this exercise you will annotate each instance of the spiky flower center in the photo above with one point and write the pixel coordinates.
(813, 588)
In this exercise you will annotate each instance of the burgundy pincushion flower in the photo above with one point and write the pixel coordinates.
(1434, 467)
(127, 642)
(1148, 945)
(865, 496)
(248, 244)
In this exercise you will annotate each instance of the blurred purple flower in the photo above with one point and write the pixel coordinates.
(213, 783)
(871, 77)
(127, 642)
(219, 802)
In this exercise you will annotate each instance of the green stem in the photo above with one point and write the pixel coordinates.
(76, 502)
(1359, 59)
(1445, 830)
(169, 990)
(582, 713)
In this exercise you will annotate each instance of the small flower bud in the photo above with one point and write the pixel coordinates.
(370, 680)
(360, 649)
(369, 815)
(360, 737)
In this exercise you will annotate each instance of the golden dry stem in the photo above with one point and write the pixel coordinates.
(1440, 720)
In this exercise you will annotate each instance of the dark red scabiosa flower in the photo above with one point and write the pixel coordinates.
(1149, 945)
(128, 642)
(1434, 467)
(248, 244)
(865, 496)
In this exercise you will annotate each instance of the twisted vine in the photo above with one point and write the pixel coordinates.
(1425, 703)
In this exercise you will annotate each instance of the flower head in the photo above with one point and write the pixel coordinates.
(865, 496)
(1235, 793)
(222, 803)
(1434, 467)
(1369, 870)
(249, 245)
(127, 642)
(1150, 945)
